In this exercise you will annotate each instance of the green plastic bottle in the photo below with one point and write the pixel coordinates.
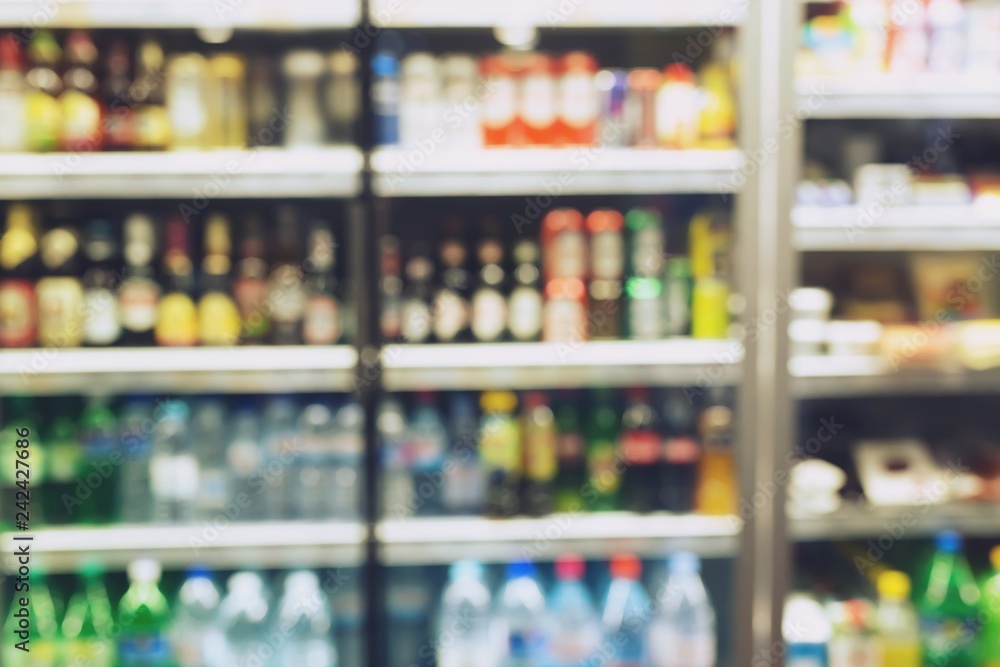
(604, 465)
(19, 414)
(87, 628)
(144, 618)
(65, 456)
(948, 606)
(990, 608)
(572, 473)
(43, 634)
(100, 438)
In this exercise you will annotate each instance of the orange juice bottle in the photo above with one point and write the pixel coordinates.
(716, 493)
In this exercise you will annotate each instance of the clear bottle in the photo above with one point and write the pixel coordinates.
(464, 485)
(408, 598)
(305, 620)
(208, 434)
(896, 620)
(349, 607)
(683, 632)
(304, 71)
(187, 105)
(245, 456)
(12, 97)
(195, 634)
(521, 611)
(806, 631)
(854, 642)
(245, 618)
(281, 444)
(625, 613)
(311, 471)
(576, 626)
(173, 466)
(144, 616)
(385, 98)
(464, 618)
(89, 623)
(429, 444)
(420, 104)
(344, 501)
(397, 482)
(461, 76)
(135, 494)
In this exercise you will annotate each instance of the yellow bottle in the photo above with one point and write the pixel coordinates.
(41, 106)
(716, 492)
(710, 295)
(227, 102)
(896, 619)
(718, 115)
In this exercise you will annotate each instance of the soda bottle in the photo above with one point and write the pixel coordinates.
(896, 620)
(521, 612)
(43, 638)
(600, 493)
(89, 623)
(245, 618)
(682, 634)
(99, 436)
(429, 443)
(464, 485)
(681, 454)
(500, 452)
(135, 493)
(305, 621)
(144, 617)
(990, 606)
(571, 454)
(948, 606)
(576, 627)
(640, 444)
(465, 604)
(196, 635)
(540, 461)
(625, 613)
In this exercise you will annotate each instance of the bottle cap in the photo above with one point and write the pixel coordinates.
(894, 585)
(678, 73)
(949, 541)
(684, 562)
(145, 570)
(91, 569)
(570, 567)
(198, 572)
(562, 218)
(604, 221)
(626, 566)
(520, 568)
(385, 63)
(463, 569)
(498, 401)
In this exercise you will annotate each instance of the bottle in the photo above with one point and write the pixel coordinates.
(152, 121)
(64, 460)
(286, 290)
(60, 293)
(144, 617)
(311, 467)
(343, 97)
(500, 452)
(947, 48)
(429, 444)
(644, 110)
(262, 102)
(407, 604)
(500, 109)
(677, 287)
(139, 298)
(521, 612)
(806, 631)
(177, 315)
(641, 447)
(710, 295)
(385, 98)
(101, 319)
(576, 626)
(625, 612)
(540, 456)
(245, 456)
(600, 492)
(896, 621)
(13, 89)
(489, 307)
(303, 616)
(218, 317)
(321, 320)
(88, 626)
(245, 618)
(564, 246)
(716, 493)
(99, 437)
(397, 482)
(41, 104)
(565, 314)
(280, 444)
(464, 485)
(416, 309)
(854, 641)
(208, 439)
(173, 468)
(303, 71)
(538, 104)
(348, 616)
(910, 44)
(344, 502)
(391, 287)
(226, 101)
(20, 263)
(250, 288)
(451, 299)
(186, 96)
(681, 454)
(578, 101)
(44, 636)
(717, 122)
(420, 98)
(461, 76)
(24, 417)
(119, 127)
(80, 110)
(465, 604)
(682, 634)
(644, 286)
(571, 455)
(525, 303)
(607, 265)
(678, 103)
(135, 492)
(195, 634)
(613, 116)
(948, 606)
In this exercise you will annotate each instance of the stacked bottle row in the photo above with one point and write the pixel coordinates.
(954, 623)
(522, 625)
(558, 453)
(520, 98)
(184, 460)
(78, 97)
(105, 283)
(603, 276)
(202, 628)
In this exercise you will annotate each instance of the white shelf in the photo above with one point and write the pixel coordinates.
(833, 376)
(862, 521)
(893, 96)
(674, 362)
(192, 176)
(558, 13)
(272, 15)
(442, 540)
(902, 228)
(541, 171)
(251, 369)
(237, 545)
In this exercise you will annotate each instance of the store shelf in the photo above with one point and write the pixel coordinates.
(556, 14)
(251, 369)
(862, 521)
(553, 171)
(253, 14)
(431, 540)
(230, 545)
(894, 96)
(824, 376)
(193, 176)
(902, 228)
(676, 362)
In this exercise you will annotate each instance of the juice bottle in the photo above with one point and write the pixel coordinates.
(896, 621)
(716, 494)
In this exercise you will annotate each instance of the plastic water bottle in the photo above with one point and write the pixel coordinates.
(463, 632)
(173, 466)
(344, 494)
(348, 615)
(625, 615)
(428, 443)
(208, 426)
(280, 449)
(576, 627)
(397, 490)
(464, 489)
(196, 636)
(305, 622)
(407, 602)
(310, 473)
(806, 630)
(683, 632)
(245, 455)
(522, 617)
(244, 618)
(135, 491)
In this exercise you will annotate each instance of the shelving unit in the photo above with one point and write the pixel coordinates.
(862, 522)
(844, 376)
(890, 96)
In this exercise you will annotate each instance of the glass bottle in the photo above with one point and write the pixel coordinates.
(641, 447)
(101, 319)
(139, 298)
(152, 120)
(99, 438)
(304, 71)
(60, 293)
(343, 97)
(571, 454)
(286, 290)
(119, 119)
(250, 289)
(500, 452)
(489, 307)
(540, 456)
(416, 310)
(607, 265)
(262, 102)
(600, 493)
(13, 89)
(42, 108)
(226, 101)
(218, 316)
(525, 303)
(186, 96)
(177, 315)
(451, 299)
(321, 321)
(80, 110)
(20, 263)
(391, 286)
